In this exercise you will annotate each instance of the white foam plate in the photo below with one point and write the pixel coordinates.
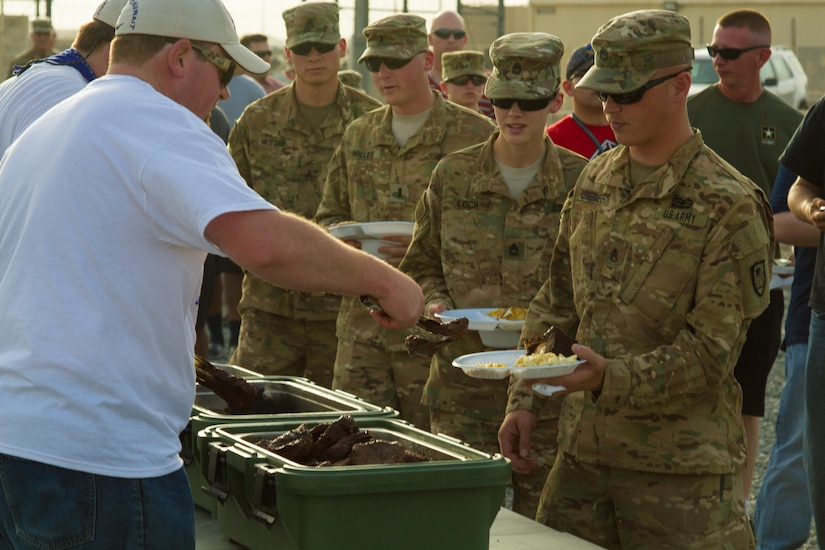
(371, 246)
(480, 319)
(370, 230)
(471, 363)
(545, 371)
(783, 269)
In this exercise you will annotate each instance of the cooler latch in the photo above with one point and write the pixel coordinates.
(264, 496)
(216, 473)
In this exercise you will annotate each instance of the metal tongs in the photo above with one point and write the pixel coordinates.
(418, 329)
(427, 336)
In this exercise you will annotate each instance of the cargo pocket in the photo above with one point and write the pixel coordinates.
(654, 277)
(51, 507)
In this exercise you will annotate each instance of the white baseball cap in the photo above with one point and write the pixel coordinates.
(203, 20)
(108, 11)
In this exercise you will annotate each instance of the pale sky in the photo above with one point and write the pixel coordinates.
(252, 16)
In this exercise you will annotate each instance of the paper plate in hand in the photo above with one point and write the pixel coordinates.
(546, 371)
(480, 319)
(782, 267)
(371, 246)
(370, 230)
(495, 333)
(482, 365)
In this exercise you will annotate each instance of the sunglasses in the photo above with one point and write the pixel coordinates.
(634, 96)
(458, 34)
(731, 53)
(374, 63)
(464, 79)
(306, 47)
(263, 53)
(224, 65)
(523, 104)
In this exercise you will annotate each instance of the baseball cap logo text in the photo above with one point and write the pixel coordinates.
(135, 7)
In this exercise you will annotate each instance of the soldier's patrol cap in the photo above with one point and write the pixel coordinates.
(462, 63)
(632, 47)
(42, 26)
(580, 61)
(312, 22)
(351, 78)
(526, 65)
(400, 36)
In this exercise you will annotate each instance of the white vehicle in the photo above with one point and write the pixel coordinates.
(782, 75)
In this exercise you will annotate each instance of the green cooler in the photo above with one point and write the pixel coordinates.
(269, 502)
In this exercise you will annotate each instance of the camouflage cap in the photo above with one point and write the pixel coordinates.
(632, 47)
(350, 78)
(462, 63)
(526, 65)
(312, 22)
(400, 36)
(42, 26)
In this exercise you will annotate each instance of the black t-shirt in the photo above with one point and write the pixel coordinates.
(804, 157)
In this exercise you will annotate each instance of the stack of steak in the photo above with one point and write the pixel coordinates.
(340, 443)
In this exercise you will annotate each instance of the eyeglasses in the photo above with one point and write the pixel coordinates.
(730, 53)
(634, 96)
(306, 47)
(458, 34)
(464, 79)
(224, 65)
(523, 104)
(263, 53)
(374, 63)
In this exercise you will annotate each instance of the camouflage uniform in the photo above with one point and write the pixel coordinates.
(284, 159)
(351, 78)
(373, 178)
(475, 246)
(662, 278)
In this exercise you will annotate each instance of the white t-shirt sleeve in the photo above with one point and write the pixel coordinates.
(189, 182)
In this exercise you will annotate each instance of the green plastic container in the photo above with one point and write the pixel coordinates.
(297, 398)
(268, 502)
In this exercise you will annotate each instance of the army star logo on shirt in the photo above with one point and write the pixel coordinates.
(768, 135)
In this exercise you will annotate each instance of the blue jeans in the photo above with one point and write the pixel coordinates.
(44, 506)
(782, 518)
(815, 426)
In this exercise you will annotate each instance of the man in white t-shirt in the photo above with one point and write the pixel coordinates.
(44, 83)
(111, 201)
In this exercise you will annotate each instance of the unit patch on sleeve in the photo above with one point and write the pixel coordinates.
(759, 277)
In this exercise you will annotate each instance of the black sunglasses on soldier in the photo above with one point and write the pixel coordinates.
(634, 96)
(731, 54)
(374, 63)
(524, 104)
(464, 79)
(306, 47)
